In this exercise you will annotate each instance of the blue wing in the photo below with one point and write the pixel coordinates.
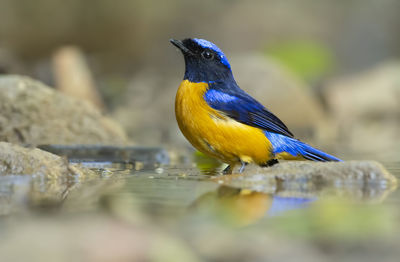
(237, 104)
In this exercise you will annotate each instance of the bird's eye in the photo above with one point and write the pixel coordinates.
(207, 55)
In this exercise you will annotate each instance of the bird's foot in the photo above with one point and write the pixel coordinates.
(244, 164)
(229, 169)
(270, 162)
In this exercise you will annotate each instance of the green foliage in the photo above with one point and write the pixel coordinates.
(307, 59)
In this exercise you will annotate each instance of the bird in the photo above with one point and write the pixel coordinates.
(222, 121)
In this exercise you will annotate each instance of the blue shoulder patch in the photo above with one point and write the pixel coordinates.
(213, 96)
(207, 44)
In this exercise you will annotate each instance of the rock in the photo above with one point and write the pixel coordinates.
(35, 177)
(147, 112)
(17, 160)
(73, 76)
(361, 179)
(367, 108)
(32, 113)
(370, 94)
(145, 156)
(282, 93)
(369, 171)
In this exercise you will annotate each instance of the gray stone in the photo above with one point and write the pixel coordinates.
(371, 94)
(147, 112)
(367, 109)
(17, 160)
(30, 176)
(360, 179)
(32, 113)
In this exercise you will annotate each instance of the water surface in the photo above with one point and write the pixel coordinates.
(196, 210)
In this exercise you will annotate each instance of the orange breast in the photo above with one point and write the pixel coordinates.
(215, 134)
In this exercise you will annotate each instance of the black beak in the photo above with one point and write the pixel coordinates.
(181, 46)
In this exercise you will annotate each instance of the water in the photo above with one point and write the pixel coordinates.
(169, 192)
(204, 215)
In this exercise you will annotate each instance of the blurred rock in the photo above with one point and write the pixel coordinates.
(281, 92)
(17, 160)
(73, 76)
(148, 110)
(136, 155)
(33, 113)
(367, 108)
(371, 94)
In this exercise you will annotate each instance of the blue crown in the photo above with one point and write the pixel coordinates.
(207, 44)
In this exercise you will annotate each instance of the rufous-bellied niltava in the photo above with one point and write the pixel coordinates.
(223, 121)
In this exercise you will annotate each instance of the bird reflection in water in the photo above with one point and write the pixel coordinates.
(243, 207)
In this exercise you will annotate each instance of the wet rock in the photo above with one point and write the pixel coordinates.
(366, 106)
(17, 160)
(30, 176)
(32, 113)
(370, 171)
(361, 179)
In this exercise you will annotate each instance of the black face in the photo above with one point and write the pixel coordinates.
(203, 64)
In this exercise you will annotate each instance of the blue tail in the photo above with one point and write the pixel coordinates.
(281, 143)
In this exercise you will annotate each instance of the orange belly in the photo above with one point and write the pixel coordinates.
(215, 134)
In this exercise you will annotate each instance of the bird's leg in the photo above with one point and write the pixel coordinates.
(242, 167)
(228, 170)
(270, 162)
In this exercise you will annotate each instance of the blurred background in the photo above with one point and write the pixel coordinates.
(329, 69)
